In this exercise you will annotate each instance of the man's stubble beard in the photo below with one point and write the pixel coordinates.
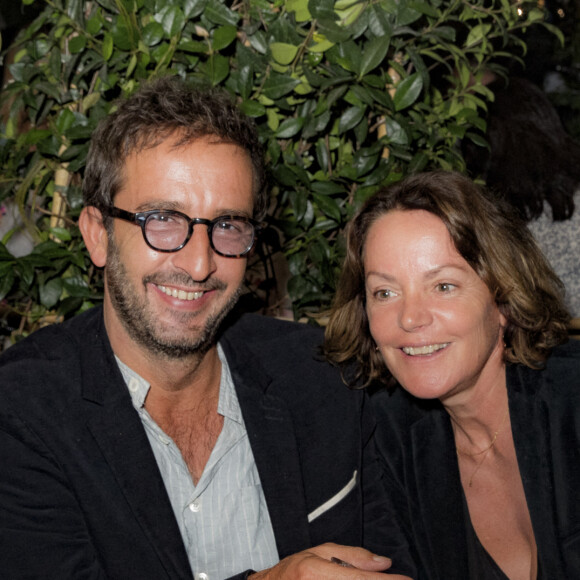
(140, 324)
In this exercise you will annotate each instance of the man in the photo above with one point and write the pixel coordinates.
(150, 438)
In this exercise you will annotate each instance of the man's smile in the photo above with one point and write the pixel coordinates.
(180, 294)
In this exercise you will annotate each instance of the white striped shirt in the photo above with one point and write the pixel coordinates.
(224, 520)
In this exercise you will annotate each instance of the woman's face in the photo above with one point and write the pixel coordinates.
(432, 317)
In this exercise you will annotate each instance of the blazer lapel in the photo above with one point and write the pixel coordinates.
(440, 502)
(271, 434)
(118, 432)
(531, 432)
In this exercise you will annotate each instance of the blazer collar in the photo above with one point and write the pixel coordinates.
(531, 431)
(440, 496)
(120, 435)
(437, 480)
(123, 441)
(271, 432)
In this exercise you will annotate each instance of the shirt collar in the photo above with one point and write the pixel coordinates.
(228, 404)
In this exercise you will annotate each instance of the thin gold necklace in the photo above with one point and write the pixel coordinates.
(484, 451)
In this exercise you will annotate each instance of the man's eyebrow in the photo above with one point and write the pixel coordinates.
(159, 204)
(165, 205)
(237, 212)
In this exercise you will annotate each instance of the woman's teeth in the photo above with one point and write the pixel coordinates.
(419, 350)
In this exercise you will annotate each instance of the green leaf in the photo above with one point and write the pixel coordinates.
(50, 292)
(253, 109)
(4, 256)
(408, 90)
(328, 187)
(61, 233)
(289, 128)
(34, 136)
(300, 9)
(363, 162)
(245, 81)
(107, 46)
(283, 53)
(424, 8)
(477, 139)
(406, 14)
(121, 36)
(65, 121)
(350, 118)
(374, 54)
(6, 282)
(94, 25)
(322, 9)
(77, 44)
(193, 8)
(152, 33)
(327, 205)
(76, 286)
(556, 31)
(25, 269)
(277, 85)
(90, 100)
(322, 155)
(477, 33)
(418, 163)
(219, 13)
(258, 42)
(395, 133)
(217, 68)
(172, 20)
(447, 33)
(223, 37)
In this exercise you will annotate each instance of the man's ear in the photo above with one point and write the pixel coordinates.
(94, 234)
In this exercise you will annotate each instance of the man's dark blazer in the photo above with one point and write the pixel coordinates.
(81, 495)
(416, 439)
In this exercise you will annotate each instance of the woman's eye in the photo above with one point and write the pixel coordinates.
(384, 294)
(445, 287)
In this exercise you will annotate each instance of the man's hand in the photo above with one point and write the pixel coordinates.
(316, 564)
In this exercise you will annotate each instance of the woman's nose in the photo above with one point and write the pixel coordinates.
(415, 312)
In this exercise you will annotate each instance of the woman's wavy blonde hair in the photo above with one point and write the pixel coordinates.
(493, 241)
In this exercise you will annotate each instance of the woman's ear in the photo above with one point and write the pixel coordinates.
(94, 234)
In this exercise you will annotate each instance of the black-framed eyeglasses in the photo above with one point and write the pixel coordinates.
(232, 236)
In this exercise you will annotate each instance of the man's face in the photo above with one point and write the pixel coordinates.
(173, 303)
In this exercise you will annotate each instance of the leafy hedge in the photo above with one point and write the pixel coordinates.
(347, 95)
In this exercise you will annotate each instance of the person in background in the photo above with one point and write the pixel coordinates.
(446, 298)
(155, 438)
(535, 165)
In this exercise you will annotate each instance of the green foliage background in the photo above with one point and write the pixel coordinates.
(347, 95)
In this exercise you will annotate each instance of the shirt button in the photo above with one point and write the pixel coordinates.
(133, 385)
(195, 507)
(201, 576)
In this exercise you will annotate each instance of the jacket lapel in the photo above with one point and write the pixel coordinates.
(440, 505)
(531, 432)
(272, 438)
(120, 435)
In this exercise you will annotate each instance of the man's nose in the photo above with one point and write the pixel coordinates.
(197, 257)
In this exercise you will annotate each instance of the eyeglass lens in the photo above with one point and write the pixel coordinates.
(168, 231)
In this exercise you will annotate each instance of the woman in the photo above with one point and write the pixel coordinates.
(445, 293)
